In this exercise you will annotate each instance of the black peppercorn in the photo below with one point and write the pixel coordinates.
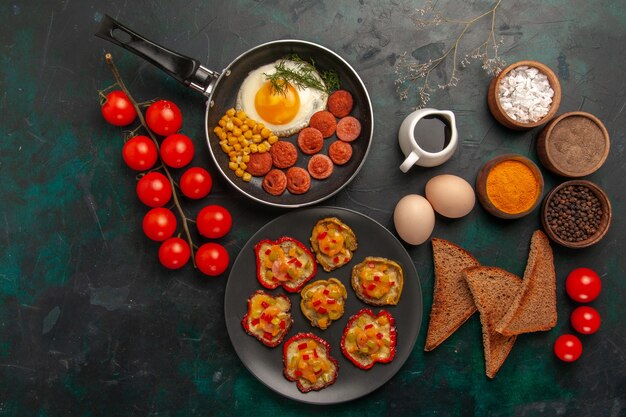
(574, 214)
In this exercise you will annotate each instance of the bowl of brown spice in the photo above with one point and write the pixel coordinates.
(576, 214)
(509, 186)
(573, 145)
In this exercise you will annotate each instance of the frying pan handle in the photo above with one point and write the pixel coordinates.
(186, 70)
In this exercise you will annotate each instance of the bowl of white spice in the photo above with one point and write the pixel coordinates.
(524, 95)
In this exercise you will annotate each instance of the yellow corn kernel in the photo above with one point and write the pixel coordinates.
(230, 112)
(244, 128)
(237, 147)
(250, 122)
(246, 176)
(233, 166)
(241, 115)
(230, 126)
(223, 135)
(246, 150)
(222, 123)
(256, 138)
(265, 133)
(257, 128)
(254, 148)
(232, 140)
(217, 130)
(243, 165)
(261, 148)
(272, 139)
(239, 172)
(237, 122)
(232, 154)
(237, 131)
(245, 158)
(248, 134)
(244, 142)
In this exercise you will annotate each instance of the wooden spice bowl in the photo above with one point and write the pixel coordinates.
(499, 113)
(481, 185)
(573, 145)
(605, 219)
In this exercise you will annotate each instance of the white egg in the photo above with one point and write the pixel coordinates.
(414, 219)
(283, 114)
(450, 196)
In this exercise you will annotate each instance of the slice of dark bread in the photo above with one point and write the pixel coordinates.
(452, 301)
(493, 289)
(534, 308)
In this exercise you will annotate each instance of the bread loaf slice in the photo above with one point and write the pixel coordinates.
(452, 301)
(534, 308)
(493, 289)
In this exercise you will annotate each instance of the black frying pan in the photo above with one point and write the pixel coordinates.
(221, 89)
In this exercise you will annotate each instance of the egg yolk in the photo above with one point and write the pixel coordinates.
(274, 107)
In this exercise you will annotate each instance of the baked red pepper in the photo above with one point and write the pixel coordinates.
(369, 338)
(285, 262)
(307, 361)
(268, 317)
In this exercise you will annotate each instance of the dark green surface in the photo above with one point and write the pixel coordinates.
(90, 324)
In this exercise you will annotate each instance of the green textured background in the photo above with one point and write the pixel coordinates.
(90, 324)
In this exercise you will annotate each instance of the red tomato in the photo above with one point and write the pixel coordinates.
(164, 118)
(154, 189)
(583, 285)
(118, 110)
(177, 150)
(174, 253)
(585, 320)
(568, 348)
(159, 224)
(196, 183)
(214, 221)
(212, 259)
(140, 153)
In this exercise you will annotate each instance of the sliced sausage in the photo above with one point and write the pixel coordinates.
(310, 140)
(284, 154)
(320, 166)
(275, 182)
(325, 122)
(340, 152)
(340, 103)
(259, 164)
(298, 180)
(348, 129)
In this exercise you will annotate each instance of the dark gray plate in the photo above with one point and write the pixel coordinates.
(266, 363)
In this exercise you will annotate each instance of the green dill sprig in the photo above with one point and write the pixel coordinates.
(304, 75)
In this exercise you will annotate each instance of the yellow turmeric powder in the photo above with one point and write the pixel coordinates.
(512, 187)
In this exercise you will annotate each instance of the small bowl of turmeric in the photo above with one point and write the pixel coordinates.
(509, 186)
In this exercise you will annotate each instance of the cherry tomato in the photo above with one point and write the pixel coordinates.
(212, 259)
(196, 183)
(585, 320)
(177, 150)
(140, 153)
(174, 253)
(118, 109)
(159, 224)
(154, 189)
(164, 118)
(214, 221)
(568, 348)
(583, 285)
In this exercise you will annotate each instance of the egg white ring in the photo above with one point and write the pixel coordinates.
(311, 100)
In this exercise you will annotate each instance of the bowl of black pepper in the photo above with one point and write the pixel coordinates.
(576, 214)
